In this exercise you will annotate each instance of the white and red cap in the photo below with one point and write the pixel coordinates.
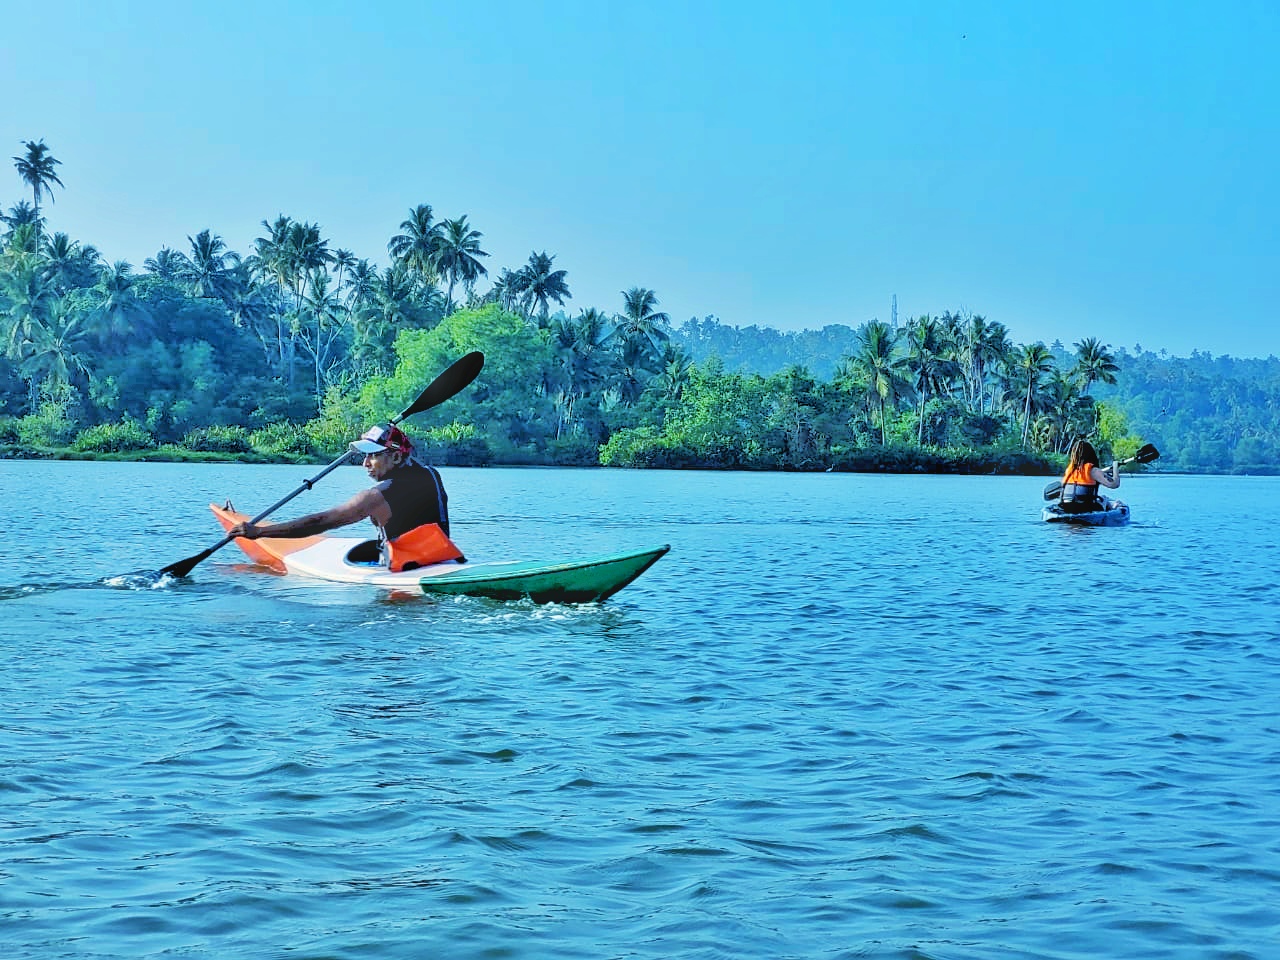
(380, 438)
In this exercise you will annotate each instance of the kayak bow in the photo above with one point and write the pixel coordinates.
(577, 581)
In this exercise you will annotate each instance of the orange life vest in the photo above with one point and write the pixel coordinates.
(1079, 488)
(421, 547)
(1081, 475)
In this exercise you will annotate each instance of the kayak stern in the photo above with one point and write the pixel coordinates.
(1117, 516)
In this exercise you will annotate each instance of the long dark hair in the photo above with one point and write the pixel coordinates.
(1082, 452)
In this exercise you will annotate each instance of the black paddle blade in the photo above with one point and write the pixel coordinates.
(1147, 453)
(184, 567)
(1053, 490)
(459, 375)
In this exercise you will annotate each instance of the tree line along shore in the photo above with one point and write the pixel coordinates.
(287, 351)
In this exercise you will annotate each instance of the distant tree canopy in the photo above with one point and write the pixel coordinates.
(293, 347)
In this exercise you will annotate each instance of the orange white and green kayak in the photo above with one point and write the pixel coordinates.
(353, 560)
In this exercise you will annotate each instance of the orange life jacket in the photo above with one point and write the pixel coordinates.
(1078, 486)
(1081, 475)
(421, 547)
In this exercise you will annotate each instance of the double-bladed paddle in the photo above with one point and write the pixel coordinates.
(1146, 453)
(458, 376)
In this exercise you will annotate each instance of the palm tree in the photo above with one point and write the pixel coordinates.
(641, 320)
(291, 257)
(343, 260)
(417, 247)
(539, 285)
(591, 332)
(71, 265)
(23, 241)
(1062, 400)
(321, 336)
(57, 351)
(926, 359)
(166, 264)
(21, 214)
(361, 286)
(881, 371)
(634, 359)
(378, 316)
(253, 306)
(582, 347)
(290, 254)
(36, 168)
(951, 326)
(508, 289)
(673, 377)
(269, 260)
(272, 264)
(1095, 363)
(207, 270)
(982, 346)
(457, 255)
(396, 294)
(305, 255)
(30, 299)
(119, 310)
(639, 337)
(1031, 365)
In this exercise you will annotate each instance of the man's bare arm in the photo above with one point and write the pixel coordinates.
(368, 503)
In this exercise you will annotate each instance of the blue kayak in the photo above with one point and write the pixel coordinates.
(1116, 516)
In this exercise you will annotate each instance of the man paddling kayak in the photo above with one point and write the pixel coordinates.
(1083, 477)
(407, 504)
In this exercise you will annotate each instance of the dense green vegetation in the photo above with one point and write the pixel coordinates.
(289, 350)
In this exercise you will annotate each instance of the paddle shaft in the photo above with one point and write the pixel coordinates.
(449, 383)
(183, 567)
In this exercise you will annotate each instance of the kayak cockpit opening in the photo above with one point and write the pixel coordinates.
(368, 553)
(365, 554)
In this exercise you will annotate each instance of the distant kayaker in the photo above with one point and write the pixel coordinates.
(407, 504)
(1083, 477)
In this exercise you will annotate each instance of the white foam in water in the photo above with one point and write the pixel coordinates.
(139, 581)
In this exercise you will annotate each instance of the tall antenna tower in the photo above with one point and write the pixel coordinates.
(893, 311)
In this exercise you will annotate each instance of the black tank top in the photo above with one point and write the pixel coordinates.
(416, 496)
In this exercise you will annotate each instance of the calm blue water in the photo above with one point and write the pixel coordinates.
(846, 716)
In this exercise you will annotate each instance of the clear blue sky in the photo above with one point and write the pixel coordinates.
(1071, 170)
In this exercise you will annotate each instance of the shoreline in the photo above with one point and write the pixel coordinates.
(193, 456)
(871, 460)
